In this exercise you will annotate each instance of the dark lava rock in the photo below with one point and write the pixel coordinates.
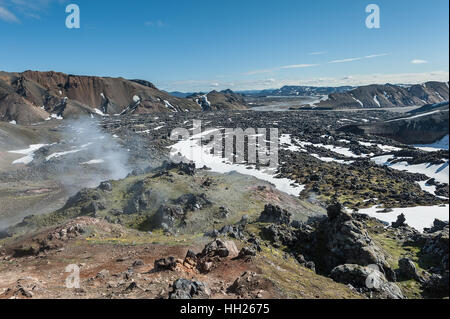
(407, 269)
(275, 214)
(165, 264)
(247, 252)
(438, 225)
(140, 198)
(105, 186)
(169, 216)
(183, 168)
(186, 289)
(437, 285)
(341, 239)
(228, 230)
(400, 221)
(437, 247)
(279, 235)
(192, 202)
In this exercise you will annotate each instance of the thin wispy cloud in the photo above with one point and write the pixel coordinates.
(298, 66)
(317, 53)
(418, 61)
(11, 9)
(7, 15)
(157, 23)
(375, 55)
(359, 58)
(345, 60)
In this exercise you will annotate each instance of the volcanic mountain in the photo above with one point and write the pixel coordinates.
(219, 101)
(32, 96)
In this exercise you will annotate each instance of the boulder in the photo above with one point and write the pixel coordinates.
(186, 289)
(105, 186)
(247, 252)
(368, 280)
(169, 263)
(438, 225)
(169, 215)
(192, 202)
(407, 269)
(220, 248)
(400, 221)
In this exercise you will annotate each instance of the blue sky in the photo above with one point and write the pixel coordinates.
(193, 45)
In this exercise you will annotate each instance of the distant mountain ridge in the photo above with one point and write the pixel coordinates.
(388, 95)
(293, 90)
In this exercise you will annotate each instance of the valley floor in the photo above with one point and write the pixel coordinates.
(99, 194)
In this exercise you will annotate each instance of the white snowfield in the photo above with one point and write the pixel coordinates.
(416, 217)
(438, 172)
(59, 154)
(29, 154)
(286, 141)
(192, 150)
(442, 144)
(375, 99)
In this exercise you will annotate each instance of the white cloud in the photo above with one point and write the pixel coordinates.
(298, 66)
(350, 79)
(375, 55)
(317, 53)
(345, 60)
(7, 16)
(11, 9)
(158, 24)
(359, 58)
(418, 61)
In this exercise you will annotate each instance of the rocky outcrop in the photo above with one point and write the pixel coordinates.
(169, 217)
(342, 239)
(368, 280)
(337, 240)
(140, 198)
(275, 214)
(192, 202)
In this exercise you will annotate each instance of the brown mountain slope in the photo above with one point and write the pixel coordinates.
(33, 96)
